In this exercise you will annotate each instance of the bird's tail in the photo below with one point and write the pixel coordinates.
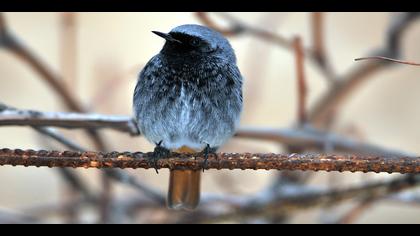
(184, 187)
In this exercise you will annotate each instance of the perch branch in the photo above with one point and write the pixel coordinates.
(304, 162)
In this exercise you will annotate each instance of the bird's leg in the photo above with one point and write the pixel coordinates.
(208, 150)
(158, 153)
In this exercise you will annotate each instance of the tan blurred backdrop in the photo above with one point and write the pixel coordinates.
(111, 48)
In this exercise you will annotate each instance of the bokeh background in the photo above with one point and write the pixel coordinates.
(100, 54)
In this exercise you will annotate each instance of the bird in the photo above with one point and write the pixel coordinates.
(188, 99)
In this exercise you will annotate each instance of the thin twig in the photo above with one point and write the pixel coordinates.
(388, 59)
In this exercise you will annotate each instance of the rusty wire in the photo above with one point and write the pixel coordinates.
(255, 161)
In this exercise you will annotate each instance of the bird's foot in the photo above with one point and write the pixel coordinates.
(158, 153)
(208, 150)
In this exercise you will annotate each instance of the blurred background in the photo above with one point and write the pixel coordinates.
(99, 55)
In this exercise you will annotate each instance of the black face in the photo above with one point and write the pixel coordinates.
(186, 44)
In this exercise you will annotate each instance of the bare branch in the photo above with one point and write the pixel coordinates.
(66, 120)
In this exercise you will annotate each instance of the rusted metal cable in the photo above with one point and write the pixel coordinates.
(255, 161)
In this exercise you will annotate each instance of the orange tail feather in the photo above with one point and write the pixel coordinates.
(184, 187)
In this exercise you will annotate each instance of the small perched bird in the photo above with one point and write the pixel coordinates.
(188, 98)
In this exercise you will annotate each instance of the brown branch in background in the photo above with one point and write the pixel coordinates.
(2, 24)
(234, 29)
(68, 49)
(317, 20)
(355, 213)
(301, 83)
(254, 161)
(388, 59)
(318, 46)
(105, 200)
(238, 27)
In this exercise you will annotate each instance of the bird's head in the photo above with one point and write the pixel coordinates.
(196, 41)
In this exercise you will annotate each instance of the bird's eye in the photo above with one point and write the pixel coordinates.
(195, 42)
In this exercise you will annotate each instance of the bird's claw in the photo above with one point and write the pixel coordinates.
(158, 153)
(208, 150)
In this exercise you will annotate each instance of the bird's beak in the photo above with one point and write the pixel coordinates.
(167, 37)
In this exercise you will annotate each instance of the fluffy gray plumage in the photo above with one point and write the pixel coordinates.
(190, 94)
